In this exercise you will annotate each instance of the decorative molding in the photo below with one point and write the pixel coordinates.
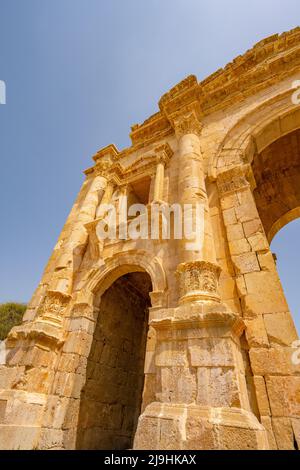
(53, 306)
(158, 299)
(110, 151)
(198, 281)
(235, 179)
(268, 62)
(153, 129)
(163, 154)
(102, 168)
(42, 332)
(181, 96)
(265, 64)
(186, 122)
(200, 320)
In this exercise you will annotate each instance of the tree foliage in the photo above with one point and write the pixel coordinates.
(11, 314)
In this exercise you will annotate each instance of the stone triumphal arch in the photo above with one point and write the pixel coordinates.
(141, 343)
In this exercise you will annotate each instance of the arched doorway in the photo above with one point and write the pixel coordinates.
(112, 396)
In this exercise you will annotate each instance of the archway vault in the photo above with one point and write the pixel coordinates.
(111, 398)
(276, 171)
(123, 263)
(255, 131)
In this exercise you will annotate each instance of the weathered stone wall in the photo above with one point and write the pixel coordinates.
(218, 365)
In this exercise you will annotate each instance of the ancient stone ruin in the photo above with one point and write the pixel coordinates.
(143, 343)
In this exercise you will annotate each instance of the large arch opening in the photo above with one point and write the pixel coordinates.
(277, 174)
(112, 396)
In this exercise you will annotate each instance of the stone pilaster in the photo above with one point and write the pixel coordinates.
(163, 155)
(270, 332)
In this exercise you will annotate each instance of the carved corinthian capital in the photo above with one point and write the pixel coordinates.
(53, 307)
(163, 154)
(102, 169)
(198, 281)
(186, 123)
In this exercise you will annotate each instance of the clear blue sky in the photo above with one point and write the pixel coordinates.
(79, 73)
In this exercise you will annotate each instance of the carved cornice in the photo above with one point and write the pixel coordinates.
(110, 152)
(198, 281)
(180, 96)
(143, 166)
(41, 331)
(235, 179)
(200, 320)
(267, 63)
(153, 129)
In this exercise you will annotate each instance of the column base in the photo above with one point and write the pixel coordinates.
(165, 426)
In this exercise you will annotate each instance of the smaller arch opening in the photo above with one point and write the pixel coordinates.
(111, 398)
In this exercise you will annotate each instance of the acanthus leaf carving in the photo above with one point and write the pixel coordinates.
(198, 280)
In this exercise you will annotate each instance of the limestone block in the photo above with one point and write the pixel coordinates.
(229, 201)
(68, 362)
(38, 357)
(171, 354)
(149, 392)
(241, 286)
(245, 263)
(81, 324)
(271, 361)
(280, 328)
(261, 396)
(217, 387)
(238, 247)
(149, 367)
(196, 427)
(267, 424)
(256, 332)
(61, 413)
(19, 437)
(36, 380)
(283, 433)
(235, 232)
(227, 288)
(51, 439)
(21, 413)
(266, 261)
(229, 217)
(199, 433)
(252, 227)
(265, 294)
(211, 352)
(78, 343)
(246, 211)
(68, 385)
(150, 428)
(178, 385)
(268, 135)
(258, 242)
(284, 395)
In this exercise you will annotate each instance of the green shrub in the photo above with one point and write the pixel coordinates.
(11, 314)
